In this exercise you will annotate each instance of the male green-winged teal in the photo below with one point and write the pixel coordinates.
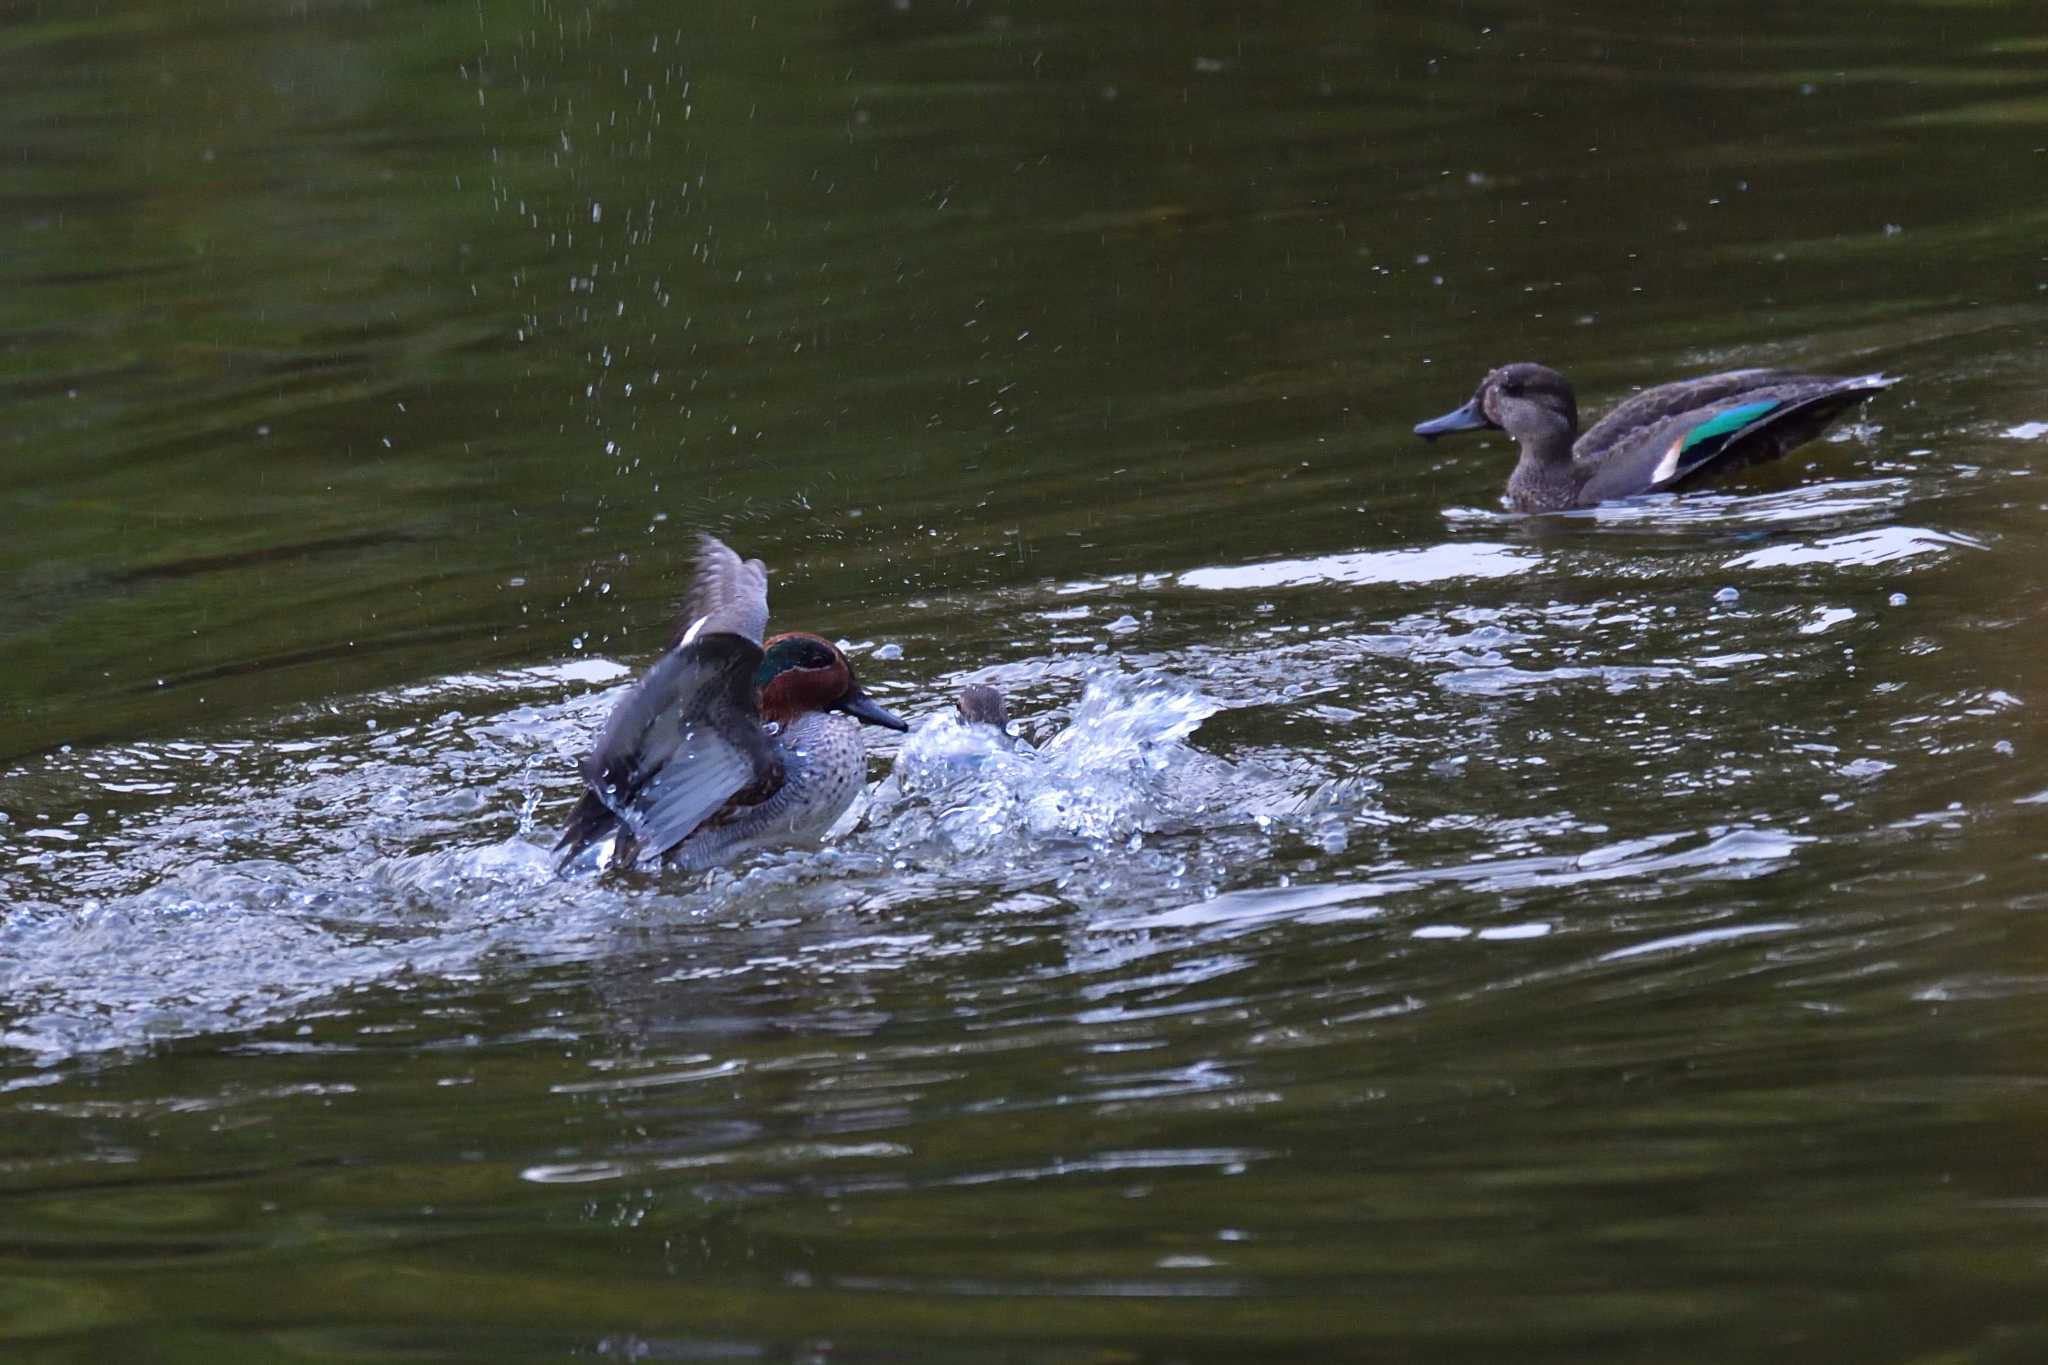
(1672, 437)
(726, 744)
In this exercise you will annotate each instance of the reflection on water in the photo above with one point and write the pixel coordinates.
(1429, 564)
(1884, 545)
(1617, 924)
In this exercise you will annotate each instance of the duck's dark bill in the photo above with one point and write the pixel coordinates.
(862, 707)
(1467, 418)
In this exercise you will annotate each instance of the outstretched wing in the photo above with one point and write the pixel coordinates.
(687, 738)
(674, 752)
(728, 596)
(677, 748)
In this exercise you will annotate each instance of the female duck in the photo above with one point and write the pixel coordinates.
(983, 704)
(726, 744)
(1672, 437)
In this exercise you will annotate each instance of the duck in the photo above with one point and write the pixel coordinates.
(966, 743)
(983, 704)
(1672, 437)
(729, 742)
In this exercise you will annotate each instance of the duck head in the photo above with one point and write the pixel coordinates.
(982, 705)
(801, 672)
(1532, 403)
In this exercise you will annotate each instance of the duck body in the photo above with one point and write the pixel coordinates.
(728, 743)
(824, 764)
(1666, 439)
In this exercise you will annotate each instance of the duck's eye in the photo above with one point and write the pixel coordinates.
(1511, 390)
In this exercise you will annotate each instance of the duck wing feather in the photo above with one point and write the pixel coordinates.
(1768, 415)
(1655, 406)
(686, 740)
(679, 746)
(729, 595)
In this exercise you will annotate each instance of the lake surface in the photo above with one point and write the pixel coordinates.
(1422, 932)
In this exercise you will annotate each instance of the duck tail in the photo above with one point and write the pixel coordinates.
(591, 823)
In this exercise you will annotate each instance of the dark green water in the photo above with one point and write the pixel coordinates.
(1605, 937)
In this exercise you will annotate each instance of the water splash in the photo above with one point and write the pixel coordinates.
(1119, 770)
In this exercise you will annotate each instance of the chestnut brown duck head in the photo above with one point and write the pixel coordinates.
(801, 672)
(1668, 438)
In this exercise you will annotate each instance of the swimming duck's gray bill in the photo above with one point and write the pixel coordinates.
(1466, 418)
